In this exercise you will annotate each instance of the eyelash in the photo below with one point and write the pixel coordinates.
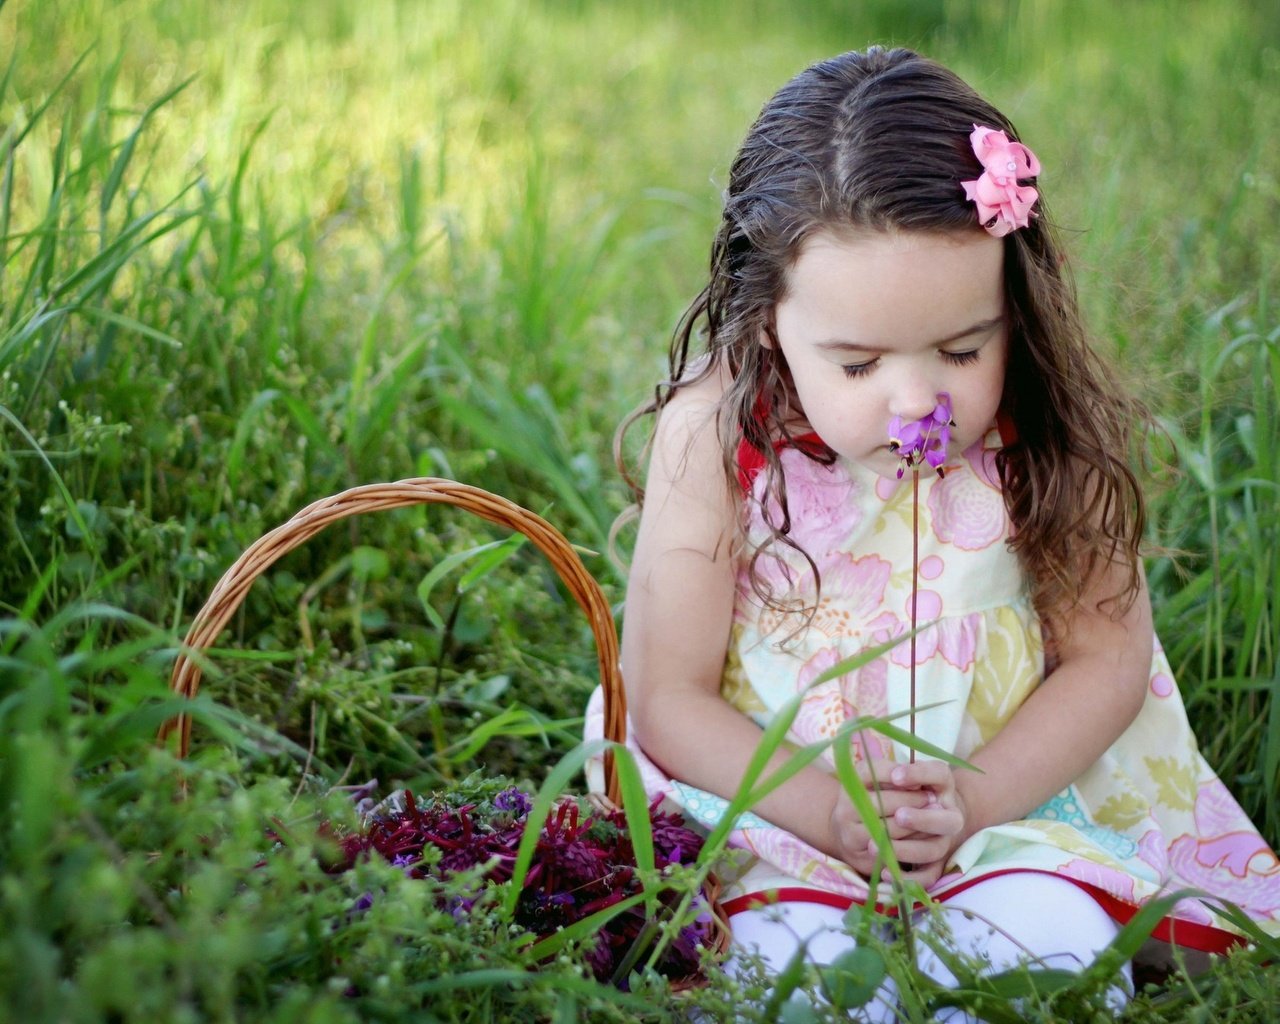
(955, 358)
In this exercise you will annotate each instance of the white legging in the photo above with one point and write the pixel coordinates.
(1011, 919)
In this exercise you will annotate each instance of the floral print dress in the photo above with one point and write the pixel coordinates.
(1150, 817)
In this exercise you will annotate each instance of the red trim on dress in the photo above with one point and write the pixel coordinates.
(1204, 937)
(750, 462)
(751, 459)
(1007, 429)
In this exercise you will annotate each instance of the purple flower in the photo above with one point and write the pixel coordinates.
(543, 912)
(672, 842)
(459, 908)
(514, 800)
(923, 440)
(582, 863)
(603, 957)
(566, 857)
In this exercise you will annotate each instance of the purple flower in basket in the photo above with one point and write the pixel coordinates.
(544, 912)
(517, 801)
(672, 842)
(566, 859)
(581, 864)
(923, 440)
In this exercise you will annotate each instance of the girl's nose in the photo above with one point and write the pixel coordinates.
(913, 400)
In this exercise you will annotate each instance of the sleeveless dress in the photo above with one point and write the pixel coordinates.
(1149, 818)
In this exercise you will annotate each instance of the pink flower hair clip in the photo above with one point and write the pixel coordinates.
(923, 440)
(1003, 204)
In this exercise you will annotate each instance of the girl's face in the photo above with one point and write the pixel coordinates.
(875, 324)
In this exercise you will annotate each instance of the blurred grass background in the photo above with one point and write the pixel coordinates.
(253, 254)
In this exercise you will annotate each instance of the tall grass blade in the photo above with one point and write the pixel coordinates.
(635, 804)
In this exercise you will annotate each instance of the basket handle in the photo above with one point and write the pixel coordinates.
(263, 553)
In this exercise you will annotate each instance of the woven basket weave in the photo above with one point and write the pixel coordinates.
(231, 589)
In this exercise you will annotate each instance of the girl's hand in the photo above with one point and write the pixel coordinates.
(851, 839)
(932, 832)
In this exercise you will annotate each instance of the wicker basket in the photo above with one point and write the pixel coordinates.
(268, 549)
(231, 589)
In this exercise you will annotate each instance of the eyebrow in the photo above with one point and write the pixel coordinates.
(981, 327)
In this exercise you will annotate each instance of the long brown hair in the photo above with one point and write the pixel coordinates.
(880, 140)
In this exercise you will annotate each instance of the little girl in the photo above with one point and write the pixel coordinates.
(885, 258)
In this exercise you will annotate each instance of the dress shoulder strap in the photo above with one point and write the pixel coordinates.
(1007, 428)
(751, 460)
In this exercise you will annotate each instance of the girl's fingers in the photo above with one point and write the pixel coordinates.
(887, 801)
(859, 838)
(892, 800)
(919, 774)
(934, 821)
(899, 831)
(876, 772)
(934, 779)
(925, 874)
(920, 851)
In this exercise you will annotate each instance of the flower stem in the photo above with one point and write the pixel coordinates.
(915, 588)
(643, 940)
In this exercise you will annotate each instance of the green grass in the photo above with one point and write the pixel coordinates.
(253, 254)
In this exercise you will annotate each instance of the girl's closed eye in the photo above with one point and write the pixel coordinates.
(860, 369)
(966, 358)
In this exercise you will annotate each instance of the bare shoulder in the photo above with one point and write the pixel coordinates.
(687, 491)
(692, 414)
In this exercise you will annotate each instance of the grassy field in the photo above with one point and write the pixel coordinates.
(254, 254)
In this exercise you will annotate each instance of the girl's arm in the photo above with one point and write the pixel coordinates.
(1073, 716)
(678, 616)
(1063, 728)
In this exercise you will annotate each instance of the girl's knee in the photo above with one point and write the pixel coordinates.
(1025, 918)
(776, 932)
(1030, 916)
